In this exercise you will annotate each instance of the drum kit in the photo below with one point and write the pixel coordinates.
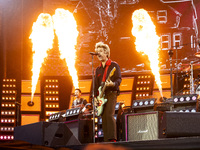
(191, 66)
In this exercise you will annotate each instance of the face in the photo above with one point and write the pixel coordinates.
(77, 93)
(101, 54)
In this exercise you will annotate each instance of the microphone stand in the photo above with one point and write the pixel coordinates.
(170, 52)
(93, 98)
(191, 78)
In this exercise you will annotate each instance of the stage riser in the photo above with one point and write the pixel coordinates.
(156, 125)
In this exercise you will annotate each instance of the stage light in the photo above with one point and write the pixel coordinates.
(99, 120)
(8, 113)
(100, 133)
(96, 135)
(143, 105)
(7, 105)
(185, 99)
(96, 128)
(55, 116)
(6, 137)
(185, 103)
(72, 112)
(7, 120)
(190, 109)
(96, 120)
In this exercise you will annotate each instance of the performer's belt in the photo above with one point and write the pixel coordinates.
(111, 92)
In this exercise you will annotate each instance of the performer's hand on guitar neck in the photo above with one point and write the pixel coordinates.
(109, 83)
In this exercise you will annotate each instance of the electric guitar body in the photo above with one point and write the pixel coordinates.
(101, 100)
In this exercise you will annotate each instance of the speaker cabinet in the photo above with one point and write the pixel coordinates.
(29, 118)
(46, 133)
(179, 124)
(25, 99)
(82, 129)
(140, 126)
(125, 97)
(156, 125)
(26, 86)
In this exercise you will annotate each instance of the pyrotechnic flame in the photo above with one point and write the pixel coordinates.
(42, 38)
(65, 28)
(147, 41)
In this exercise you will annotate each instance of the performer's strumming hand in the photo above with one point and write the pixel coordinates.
(110, 83)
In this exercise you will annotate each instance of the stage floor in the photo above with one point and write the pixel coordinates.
(181, 143)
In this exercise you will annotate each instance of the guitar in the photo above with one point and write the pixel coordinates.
(101, 100)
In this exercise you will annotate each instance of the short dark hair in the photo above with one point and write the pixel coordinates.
(78, 90)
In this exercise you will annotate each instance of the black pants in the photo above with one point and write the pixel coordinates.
(108, 121)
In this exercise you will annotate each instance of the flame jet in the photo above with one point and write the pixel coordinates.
(42, 39)
(66, 30)
(147, 41)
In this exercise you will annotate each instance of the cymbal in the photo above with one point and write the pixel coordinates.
(190, 59)
(190, 64)
(186, 67)
(197, 54)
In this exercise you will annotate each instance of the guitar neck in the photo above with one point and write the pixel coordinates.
(103, 89)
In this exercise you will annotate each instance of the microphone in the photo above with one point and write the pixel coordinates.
(93, 53)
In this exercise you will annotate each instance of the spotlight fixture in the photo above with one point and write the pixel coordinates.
(143, 105)
(186, 109)
(57, 117)
(100, 133)
(71, 114)
(184, 99)
(183, 102)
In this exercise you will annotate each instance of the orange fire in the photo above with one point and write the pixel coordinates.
(147, 41)
(66, 30)
(42, 39)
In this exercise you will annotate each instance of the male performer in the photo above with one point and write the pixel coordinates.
(111, 92)
(78, 102)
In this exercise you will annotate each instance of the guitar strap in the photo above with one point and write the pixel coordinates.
(108, 63)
